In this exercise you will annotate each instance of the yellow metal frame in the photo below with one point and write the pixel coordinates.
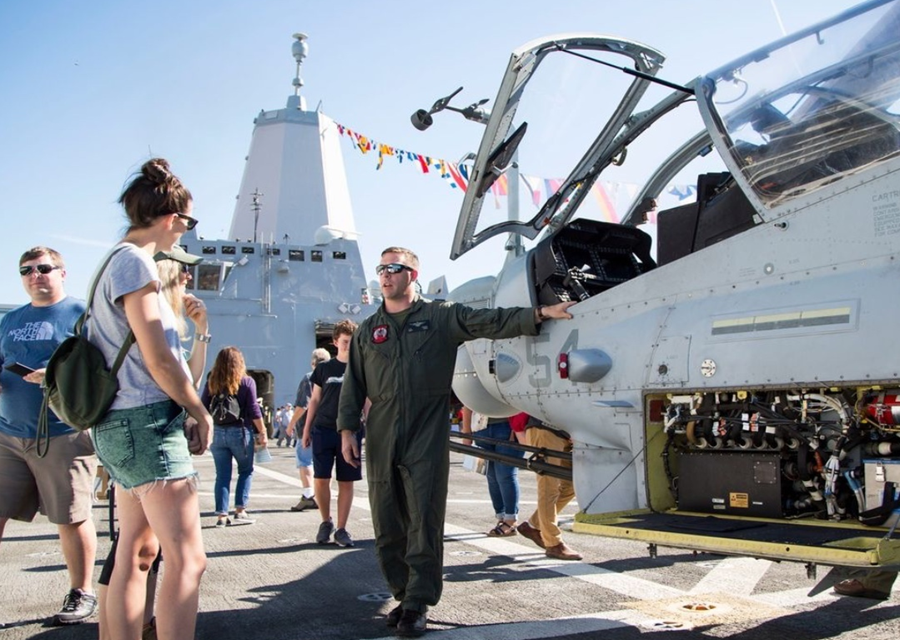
(852, 552)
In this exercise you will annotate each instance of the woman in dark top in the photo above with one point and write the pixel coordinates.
(235, 431)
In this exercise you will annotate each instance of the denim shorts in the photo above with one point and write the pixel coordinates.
(140, 445)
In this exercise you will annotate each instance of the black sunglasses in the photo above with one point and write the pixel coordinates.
(392, 268)
(42, 269)
(189, 221)
(186, 269)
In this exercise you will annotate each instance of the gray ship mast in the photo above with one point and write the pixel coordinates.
(289, 151)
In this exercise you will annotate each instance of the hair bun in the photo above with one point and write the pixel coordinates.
(157, 171)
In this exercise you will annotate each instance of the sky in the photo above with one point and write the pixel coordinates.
(91, 90)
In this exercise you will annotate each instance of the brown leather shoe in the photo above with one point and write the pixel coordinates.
(562, 552)
(857, 589)
(531, 533)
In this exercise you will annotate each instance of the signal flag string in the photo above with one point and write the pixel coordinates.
(609, 196)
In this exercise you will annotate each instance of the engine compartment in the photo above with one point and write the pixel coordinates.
(825, 455)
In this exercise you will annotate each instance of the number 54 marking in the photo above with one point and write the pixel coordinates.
(543, 363)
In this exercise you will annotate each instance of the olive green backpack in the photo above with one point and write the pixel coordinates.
(78, 386)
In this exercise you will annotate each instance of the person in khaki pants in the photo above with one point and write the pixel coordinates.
(553, 494)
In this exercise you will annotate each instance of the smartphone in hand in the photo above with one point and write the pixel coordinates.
(18, 368)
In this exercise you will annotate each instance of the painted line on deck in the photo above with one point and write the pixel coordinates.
(734, 576)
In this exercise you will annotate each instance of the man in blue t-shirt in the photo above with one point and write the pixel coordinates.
(61, 483)
(320, 431)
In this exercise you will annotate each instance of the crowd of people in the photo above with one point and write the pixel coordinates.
(386, 388)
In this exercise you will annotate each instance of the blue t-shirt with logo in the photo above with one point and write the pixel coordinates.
(29, 335)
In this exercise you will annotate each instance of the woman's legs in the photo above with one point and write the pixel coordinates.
(503, 479)
(243, 455)
(221, 451)
(136, 549)
(508, 484)
(173, 511)
(494, 489)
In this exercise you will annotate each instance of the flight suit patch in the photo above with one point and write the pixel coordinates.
(418, 325)
(380, 334)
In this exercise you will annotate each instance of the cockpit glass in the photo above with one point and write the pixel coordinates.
(812, 112)
(567, 101)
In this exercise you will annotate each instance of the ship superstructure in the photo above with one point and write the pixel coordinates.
(291, 266)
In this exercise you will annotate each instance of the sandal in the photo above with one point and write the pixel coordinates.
(502, 530)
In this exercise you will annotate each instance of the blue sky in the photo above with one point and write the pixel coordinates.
(92, 89)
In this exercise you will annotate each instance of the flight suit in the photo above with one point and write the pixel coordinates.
(406, 371)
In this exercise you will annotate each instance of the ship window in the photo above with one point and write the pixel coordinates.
(228, 250)
(208, 277)
(315, 256)
(275, 251)
(296, 254)
(248, 250)
(207, 250)
(339, 255)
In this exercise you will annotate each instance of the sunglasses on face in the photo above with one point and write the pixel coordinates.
(42, 269)
(189, 221)
(393, 268)
(185, 269)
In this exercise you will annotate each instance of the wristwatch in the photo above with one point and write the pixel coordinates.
(203, 337)
(540, 313)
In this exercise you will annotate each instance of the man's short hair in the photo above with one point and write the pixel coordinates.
(37, 252)
(343, 328)
(412, 260)
(319, 356)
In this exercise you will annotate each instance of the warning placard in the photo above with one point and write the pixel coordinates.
(739, 500)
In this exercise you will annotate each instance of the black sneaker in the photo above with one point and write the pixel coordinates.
(393, 617)
(325, 531)
(77, 607)
(412, 624)
(342, 538)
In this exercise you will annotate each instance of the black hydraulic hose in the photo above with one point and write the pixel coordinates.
(512, 444)
(537, 462)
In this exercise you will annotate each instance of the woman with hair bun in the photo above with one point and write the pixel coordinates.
(142, 441)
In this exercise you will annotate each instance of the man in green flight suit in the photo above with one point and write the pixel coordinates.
(402, 359)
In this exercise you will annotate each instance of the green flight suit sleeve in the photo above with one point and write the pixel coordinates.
(467, 323)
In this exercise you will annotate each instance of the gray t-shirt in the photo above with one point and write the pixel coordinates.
(131, 269)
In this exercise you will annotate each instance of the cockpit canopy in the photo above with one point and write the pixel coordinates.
(789, 121)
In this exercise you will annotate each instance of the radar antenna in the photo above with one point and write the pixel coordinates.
(300, 49)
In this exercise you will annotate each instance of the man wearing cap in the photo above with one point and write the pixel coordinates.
(61, 483)
(402, 359)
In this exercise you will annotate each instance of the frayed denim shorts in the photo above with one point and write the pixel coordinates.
(141, 445)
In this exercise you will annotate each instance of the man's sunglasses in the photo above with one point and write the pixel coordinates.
(42, 269)
(393, 268)
(189, 221)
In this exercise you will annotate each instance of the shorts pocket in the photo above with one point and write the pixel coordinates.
(114, 442)
(175, 423)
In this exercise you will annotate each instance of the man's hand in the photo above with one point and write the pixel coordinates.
(36, 376)
(559, 311)
(350, 448)
(306, 438)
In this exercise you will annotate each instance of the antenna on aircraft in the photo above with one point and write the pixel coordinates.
(422, 119)
(476, 112)
(300, 49)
